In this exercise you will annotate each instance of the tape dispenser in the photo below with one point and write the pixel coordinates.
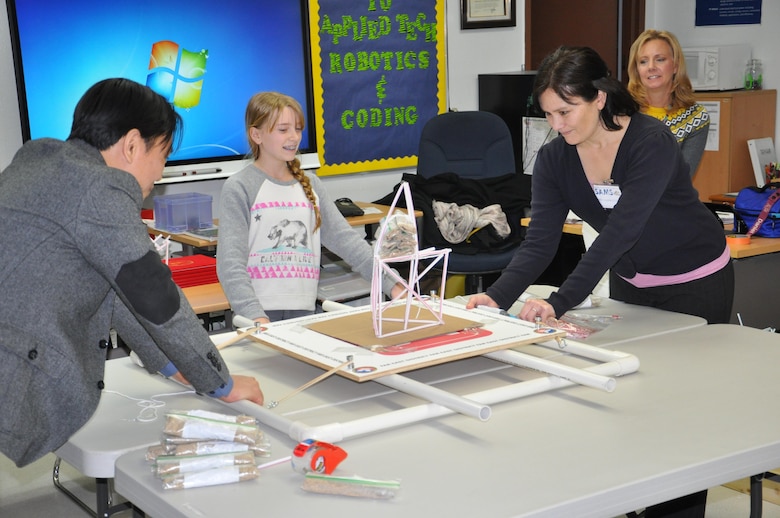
(317, 456)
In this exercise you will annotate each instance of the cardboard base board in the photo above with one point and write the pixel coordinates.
(358, 328)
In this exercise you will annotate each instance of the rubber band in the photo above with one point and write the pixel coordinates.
(149, 406)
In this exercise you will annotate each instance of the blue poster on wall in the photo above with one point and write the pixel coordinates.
(728, 12)
(378, 72)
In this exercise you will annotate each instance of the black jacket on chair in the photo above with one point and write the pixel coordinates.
(504, 190)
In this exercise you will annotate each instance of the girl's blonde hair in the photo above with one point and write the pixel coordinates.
(262, 112)
(682, 91)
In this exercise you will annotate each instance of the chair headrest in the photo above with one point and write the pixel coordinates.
(471, 144)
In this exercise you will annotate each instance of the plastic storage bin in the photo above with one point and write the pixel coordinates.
(182, 212)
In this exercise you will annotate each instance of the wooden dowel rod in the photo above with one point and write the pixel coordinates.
(240, 336)
(312, 382)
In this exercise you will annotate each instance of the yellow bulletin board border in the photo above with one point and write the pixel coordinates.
(390, 161)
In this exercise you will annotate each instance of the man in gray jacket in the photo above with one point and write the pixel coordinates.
(76, 260)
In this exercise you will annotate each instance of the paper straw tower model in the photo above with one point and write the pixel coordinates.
(397, 243)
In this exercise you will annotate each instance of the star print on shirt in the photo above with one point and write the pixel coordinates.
(258, 217)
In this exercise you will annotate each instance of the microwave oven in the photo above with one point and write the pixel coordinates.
(717, 67)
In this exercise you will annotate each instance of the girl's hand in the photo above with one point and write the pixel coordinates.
(480, 300)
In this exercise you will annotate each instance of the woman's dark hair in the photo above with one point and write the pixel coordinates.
(112, 107)
(580, 72)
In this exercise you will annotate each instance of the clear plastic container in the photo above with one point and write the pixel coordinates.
(182, 212)
(754, 75)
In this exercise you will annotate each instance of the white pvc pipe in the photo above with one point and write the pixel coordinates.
(583, 377)
(618, 363)
(434, 395)
(240, 321)
(273, 419)
(587, 351)
(334, 432)
(400, 383)
(329, 305)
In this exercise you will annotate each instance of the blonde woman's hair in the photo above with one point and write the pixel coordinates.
(682, 91)
(262, 112)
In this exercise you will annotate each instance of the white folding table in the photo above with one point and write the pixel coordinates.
(687, 421)
(112, 432)
(120, 425)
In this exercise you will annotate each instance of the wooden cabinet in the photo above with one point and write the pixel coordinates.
(741, 115)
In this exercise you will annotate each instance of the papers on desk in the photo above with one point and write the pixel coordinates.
(727, 218)
(571, 218)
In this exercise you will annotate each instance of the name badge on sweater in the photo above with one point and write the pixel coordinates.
(608, 195)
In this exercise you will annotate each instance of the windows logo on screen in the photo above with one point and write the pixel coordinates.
(177, 73)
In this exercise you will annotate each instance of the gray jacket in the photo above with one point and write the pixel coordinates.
(76, 260)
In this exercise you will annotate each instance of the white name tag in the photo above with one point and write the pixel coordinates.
(608, 195)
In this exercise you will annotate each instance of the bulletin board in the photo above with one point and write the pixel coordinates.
(378, 71)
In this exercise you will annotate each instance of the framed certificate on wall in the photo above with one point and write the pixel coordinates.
(484, 14)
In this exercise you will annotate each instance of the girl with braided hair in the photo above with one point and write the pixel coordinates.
(275, 217)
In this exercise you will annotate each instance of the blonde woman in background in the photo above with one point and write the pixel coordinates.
(658, 80)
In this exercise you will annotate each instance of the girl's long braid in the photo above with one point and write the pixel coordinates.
(298, 174)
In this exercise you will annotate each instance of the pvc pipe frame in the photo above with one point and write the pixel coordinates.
(616, 363)
(446, 399)
(583, 377)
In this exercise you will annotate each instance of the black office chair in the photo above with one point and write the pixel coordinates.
(474, 145)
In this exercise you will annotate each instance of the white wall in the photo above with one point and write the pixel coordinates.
(679, 17)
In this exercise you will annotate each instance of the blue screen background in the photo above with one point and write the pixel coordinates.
(253, 46)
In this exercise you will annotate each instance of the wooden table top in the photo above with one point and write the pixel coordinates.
(206, 298)
(568, 228)
(725, 198)
(374, 214)
(757, 245)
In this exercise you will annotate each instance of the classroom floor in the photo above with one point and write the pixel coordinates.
(29, 493)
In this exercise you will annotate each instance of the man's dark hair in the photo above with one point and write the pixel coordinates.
(112, 107)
